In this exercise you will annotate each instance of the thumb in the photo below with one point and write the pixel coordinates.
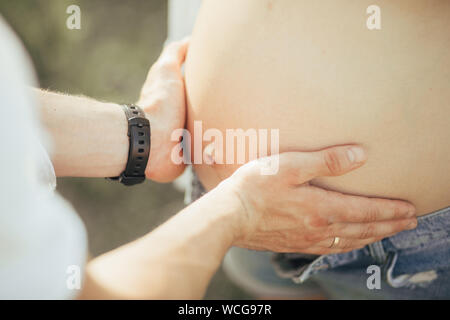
(333, 161)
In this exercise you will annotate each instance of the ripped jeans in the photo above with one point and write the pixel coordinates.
(413, 264)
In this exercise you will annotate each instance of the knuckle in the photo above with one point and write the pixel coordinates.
(397, 212)
(332, 162)
(367, 231)
(316, 221)
(372, 214)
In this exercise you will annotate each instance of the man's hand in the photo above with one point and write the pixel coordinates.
(164, 101)
(274, 212)
(284, 213)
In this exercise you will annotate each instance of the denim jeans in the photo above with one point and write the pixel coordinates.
(413, 264)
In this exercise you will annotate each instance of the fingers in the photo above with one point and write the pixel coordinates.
(337, 207)
(337, 161)
(370, 230)
(166, 70)
(174, 54)
(347, 244)
(328, 246)
(305, 166)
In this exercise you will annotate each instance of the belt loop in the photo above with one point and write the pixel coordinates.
(377, 252)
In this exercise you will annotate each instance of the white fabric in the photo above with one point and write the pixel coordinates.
(40, 234)
(180, 23)
(182, 16)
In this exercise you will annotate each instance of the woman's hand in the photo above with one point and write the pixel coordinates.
(285, 213)
(164, 101)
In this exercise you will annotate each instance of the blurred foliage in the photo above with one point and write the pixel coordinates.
(107, 59)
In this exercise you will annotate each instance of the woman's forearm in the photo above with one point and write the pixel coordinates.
(89, 137)
(176, 261)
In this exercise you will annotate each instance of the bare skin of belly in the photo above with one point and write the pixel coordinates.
(313, 70)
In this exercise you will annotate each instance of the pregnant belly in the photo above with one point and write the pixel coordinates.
(315, 72)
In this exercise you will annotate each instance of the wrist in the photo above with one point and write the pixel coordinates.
(233, 208)
(139, 136)
(117, 160)
(161, 167)
(156, 145)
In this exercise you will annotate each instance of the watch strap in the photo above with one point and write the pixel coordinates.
(139, 133)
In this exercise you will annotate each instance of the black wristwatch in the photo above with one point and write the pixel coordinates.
(139, 134)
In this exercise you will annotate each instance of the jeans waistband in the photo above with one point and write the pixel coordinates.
(432, 230)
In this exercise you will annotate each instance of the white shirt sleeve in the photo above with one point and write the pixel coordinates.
(42, 241)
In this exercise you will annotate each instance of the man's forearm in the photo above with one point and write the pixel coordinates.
(176, 261)
(89, 137)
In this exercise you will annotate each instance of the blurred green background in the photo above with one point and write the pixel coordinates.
(108, 59)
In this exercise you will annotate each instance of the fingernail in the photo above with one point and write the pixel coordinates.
(356, 154)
